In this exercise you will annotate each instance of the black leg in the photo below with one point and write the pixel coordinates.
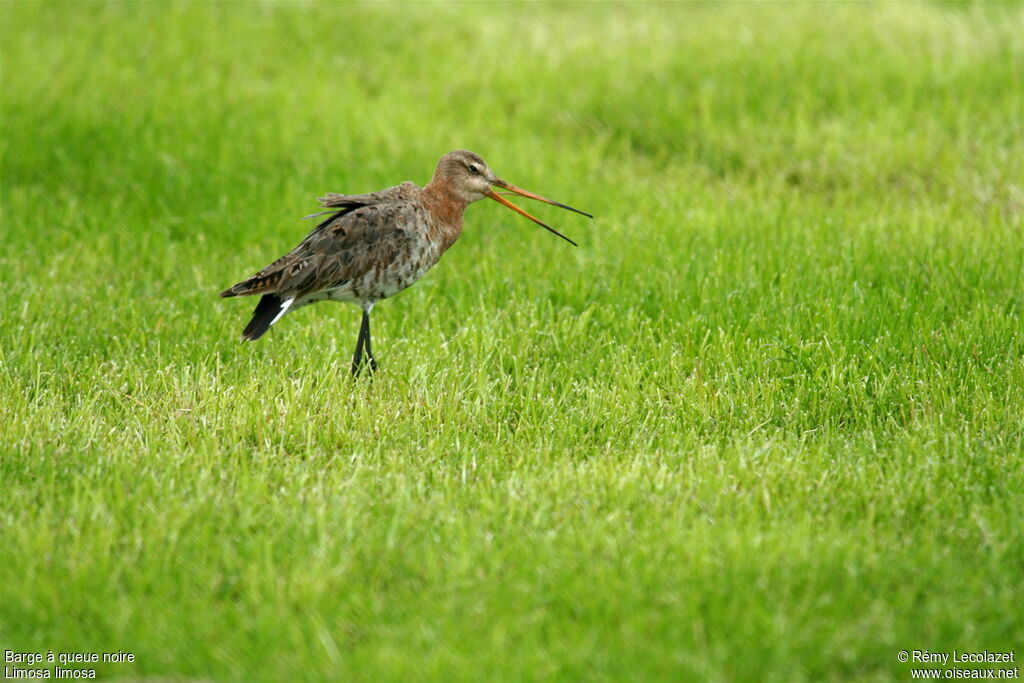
(357, 357)
(369, 350)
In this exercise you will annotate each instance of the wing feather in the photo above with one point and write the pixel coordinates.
(343, 246)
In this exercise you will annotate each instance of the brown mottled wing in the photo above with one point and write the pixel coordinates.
(354, 244)
(341, 248)
(334, 242)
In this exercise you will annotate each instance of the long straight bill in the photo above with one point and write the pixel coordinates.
(529, 195)
(501, 200)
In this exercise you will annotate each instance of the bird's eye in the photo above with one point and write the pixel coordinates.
(474, 170)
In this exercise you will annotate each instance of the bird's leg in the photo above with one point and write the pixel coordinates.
(357, 357)
(369, 350)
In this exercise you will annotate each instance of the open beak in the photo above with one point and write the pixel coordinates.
(529, 195)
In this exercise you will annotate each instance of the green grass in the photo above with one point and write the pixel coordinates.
(764, 424)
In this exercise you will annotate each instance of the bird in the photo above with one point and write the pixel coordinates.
(372, 246)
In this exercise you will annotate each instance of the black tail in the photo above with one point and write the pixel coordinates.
(266, 310)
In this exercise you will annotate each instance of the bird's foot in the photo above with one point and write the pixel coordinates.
(357, 368)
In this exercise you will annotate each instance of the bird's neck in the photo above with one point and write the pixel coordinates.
(447, 207)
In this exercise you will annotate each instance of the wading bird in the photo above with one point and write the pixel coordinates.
(372, 246)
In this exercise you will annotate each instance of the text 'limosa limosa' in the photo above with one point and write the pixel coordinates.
(372, 246)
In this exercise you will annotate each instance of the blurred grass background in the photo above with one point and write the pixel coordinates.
(764, 424)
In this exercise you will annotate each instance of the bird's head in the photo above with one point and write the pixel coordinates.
(470, 178)
(466, 174)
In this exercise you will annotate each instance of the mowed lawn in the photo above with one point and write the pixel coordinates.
(765, 423)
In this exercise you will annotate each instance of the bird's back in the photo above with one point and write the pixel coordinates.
(369, 247)
(339, 246)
